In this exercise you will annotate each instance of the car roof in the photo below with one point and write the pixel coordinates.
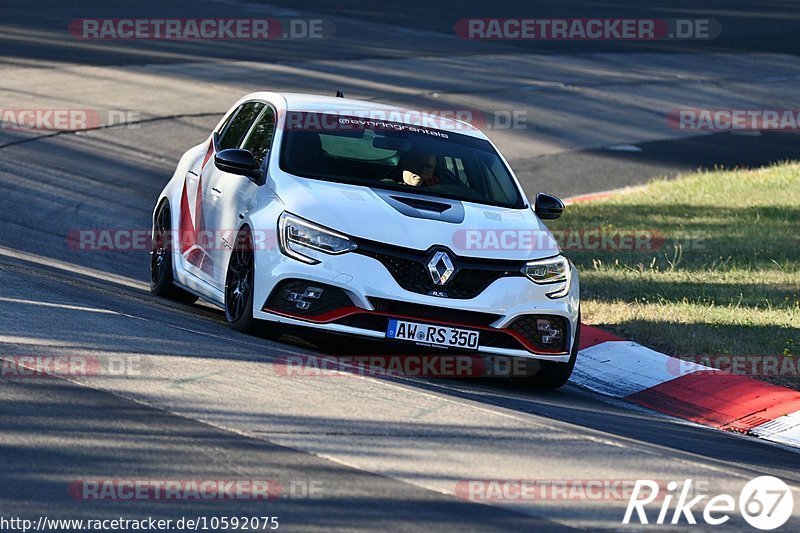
(438, 119)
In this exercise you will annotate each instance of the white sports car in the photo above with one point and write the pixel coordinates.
(368, 220)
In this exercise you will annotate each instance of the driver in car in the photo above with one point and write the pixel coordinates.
(424, 175)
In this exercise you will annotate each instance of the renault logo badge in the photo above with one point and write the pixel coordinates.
(440, 268)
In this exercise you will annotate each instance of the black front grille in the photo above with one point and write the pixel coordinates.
(527, 327)
(330, 298)
(409, 268)
(500, 339)
(433, 313)
(365, 321)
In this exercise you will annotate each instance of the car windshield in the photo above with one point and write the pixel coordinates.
(391, 155)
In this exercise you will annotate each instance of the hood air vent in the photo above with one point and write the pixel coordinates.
(423, 206)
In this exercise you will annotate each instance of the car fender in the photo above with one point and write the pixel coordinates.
(263, 224)
(171, 193)
(172, 190)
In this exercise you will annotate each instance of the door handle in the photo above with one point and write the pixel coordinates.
(216, 192)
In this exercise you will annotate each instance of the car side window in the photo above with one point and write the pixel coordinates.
(240, 124)
(260, 138)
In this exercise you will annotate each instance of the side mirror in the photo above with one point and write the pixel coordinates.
(237, 161)
(548, 207)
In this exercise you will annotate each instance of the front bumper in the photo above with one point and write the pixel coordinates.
(368, 295)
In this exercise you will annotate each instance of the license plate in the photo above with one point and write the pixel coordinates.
(428, 334)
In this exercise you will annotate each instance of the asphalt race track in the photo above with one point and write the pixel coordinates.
(201, 401)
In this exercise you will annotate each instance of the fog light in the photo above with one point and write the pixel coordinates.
(553, 337)
(313, 292)
(550, 331)
(300, 299)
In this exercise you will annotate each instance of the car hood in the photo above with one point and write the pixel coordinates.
(485, 231)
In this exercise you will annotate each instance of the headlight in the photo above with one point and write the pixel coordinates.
(296, 234)
(549, 271)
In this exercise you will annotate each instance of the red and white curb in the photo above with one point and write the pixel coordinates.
(623, 369)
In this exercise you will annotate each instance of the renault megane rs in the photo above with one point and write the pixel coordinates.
(368, 220)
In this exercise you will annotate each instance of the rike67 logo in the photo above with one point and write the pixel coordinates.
(765, 503)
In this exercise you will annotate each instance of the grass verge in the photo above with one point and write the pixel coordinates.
(715, 276)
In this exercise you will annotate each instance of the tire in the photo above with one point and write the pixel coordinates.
(239, 286)
(162, 282)
(551, 374)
